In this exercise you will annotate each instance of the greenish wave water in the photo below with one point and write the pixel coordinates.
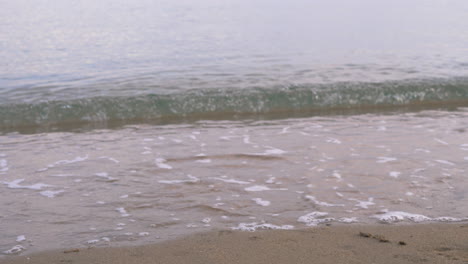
(305, 100)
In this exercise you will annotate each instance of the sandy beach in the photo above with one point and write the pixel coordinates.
(423, 243)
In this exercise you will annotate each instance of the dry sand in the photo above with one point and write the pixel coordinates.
(423, 243)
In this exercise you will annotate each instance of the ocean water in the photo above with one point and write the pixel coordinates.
(132, 122)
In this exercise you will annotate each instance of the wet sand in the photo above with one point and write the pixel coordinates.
(422, 243)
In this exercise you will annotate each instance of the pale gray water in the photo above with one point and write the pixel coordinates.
(63, 50)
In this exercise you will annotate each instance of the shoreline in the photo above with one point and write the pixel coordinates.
(416, 243)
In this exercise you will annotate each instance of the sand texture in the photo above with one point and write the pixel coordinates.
(424, 243)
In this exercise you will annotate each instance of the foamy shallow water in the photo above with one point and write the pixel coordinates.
(143, 184)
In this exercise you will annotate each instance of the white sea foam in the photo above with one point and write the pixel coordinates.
(204, 160)
(333, 141)
(254, 226)
(260, 188)
(14, 250)
(51, 194)
(110, 159)
(270, 180)
(3, 165)
(422, 150)
(231, 180)
(348, 220)
(397, 216)
(445, 162)
(270, 151)
(122, 212)
(257, 188)
(314, 218)
(261, 202)
(105, 175)
(274, 151)
(385, 159)
(20, 238)
(394, 174)
(441, 141)
(317, 202)
(62, 175)
(92, 241)
(192, 179)
(143, 234)
(161, 163)
(363, 204)
(336, 175)
(65, 162)
(16, 185)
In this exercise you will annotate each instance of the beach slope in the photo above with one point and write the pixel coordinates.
(423, 243)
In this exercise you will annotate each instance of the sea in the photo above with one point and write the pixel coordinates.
(133, 122)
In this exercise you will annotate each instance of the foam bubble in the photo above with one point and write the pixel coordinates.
(122, 211)
(441, 141)
(270, 151)
(105, 175)
(204, 160)
(317, 202)
(161, 163)
(257, 188)
(260, 188)
(231, 181)
(62, 175)
(110, 159)
(3, 165)
(336, 174)
(363, 204)
(385, 159)
(14, 250)
(93, 241)
(261, 202)
(16, 185)
(274, 151)
(314, 218)
(348, 220)
(270, 180)
(445, 162)
(51, 194)
(192, 179)
(65, 162)
(254, 226)
(333, 141)
(397, 216)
